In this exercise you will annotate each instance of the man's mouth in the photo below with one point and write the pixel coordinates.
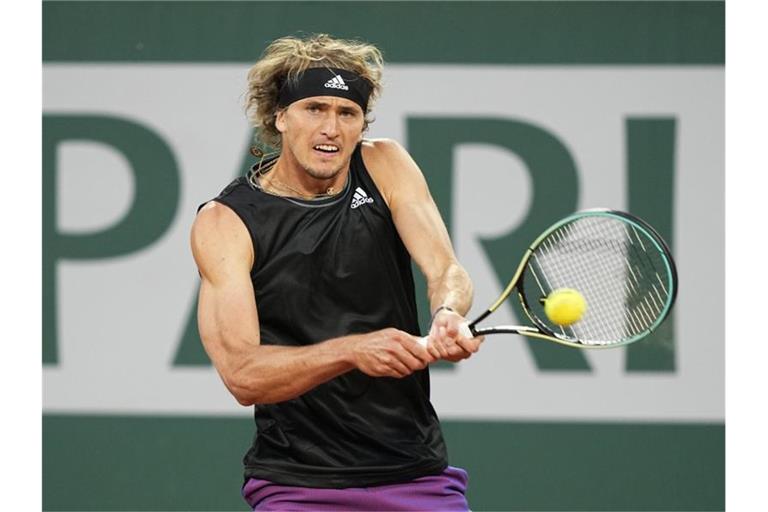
(327, 148)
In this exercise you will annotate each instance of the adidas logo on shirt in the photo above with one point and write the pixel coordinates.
(337, 83)
(360, 198)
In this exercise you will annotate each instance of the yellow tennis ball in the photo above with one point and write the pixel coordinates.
(565, 306)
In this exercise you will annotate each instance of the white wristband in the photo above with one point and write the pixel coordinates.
(463, 330)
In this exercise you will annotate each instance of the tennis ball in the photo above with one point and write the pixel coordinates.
(565, 306)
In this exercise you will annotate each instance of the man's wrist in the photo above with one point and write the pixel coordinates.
(439, 309)
(346, 347)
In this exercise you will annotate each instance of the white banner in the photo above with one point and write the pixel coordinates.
(120, 320)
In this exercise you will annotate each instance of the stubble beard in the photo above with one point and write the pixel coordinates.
(323, 175)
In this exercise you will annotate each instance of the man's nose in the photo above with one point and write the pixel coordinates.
(331, 125)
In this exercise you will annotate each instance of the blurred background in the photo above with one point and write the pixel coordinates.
(517, 112)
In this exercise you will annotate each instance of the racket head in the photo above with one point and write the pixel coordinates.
(619, 263)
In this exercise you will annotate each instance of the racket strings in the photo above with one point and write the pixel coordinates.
(642, 262)
(640, 319)
(616, 267)
(614, 301)
(630, 325)
(591, 244)
(595, 326)
(658, 304)
(544, 260)
(649, 302)
(544, 288)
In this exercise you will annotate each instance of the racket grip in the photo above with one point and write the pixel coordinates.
(463, 330)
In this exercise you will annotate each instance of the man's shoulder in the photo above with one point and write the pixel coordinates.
(219, 237)
(380, 147)
(383, 155)
(215, 217)
(390, 166)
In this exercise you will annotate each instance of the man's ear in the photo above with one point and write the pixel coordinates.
(280, 120)
(362, 132)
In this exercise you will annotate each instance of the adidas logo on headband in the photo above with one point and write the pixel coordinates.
(337, 83)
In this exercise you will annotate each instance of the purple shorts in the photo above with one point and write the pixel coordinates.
(437, 492)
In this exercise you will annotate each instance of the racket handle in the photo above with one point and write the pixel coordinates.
(463, 330)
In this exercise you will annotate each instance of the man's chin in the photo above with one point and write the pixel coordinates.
(325, 171)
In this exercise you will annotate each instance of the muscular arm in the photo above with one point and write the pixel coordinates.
(229, 326)
(421, 228)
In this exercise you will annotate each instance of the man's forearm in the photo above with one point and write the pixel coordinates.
(271, 373)
(452, 289)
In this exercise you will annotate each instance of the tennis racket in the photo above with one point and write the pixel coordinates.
(617, 262)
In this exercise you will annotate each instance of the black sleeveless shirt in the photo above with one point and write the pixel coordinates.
(323, 269)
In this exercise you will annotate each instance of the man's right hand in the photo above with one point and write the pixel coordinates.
(389, 353)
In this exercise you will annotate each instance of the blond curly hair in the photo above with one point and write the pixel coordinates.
(287, 57)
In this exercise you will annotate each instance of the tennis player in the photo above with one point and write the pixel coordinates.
(318, 239)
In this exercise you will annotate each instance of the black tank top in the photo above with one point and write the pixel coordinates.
(323, 269)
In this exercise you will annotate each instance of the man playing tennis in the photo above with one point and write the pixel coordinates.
(320, 239)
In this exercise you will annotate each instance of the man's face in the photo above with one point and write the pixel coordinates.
(320, 133)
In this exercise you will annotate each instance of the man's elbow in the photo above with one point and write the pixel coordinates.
(250, 394)
(250, 387)
(244, 391)
(247, 397)
(244, 397)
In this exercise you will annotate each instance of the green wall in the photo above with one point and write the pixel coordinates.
(190, 463)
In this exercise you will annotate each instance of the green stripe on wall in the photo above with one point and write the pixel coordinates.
(441, 32)
(193, 463)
